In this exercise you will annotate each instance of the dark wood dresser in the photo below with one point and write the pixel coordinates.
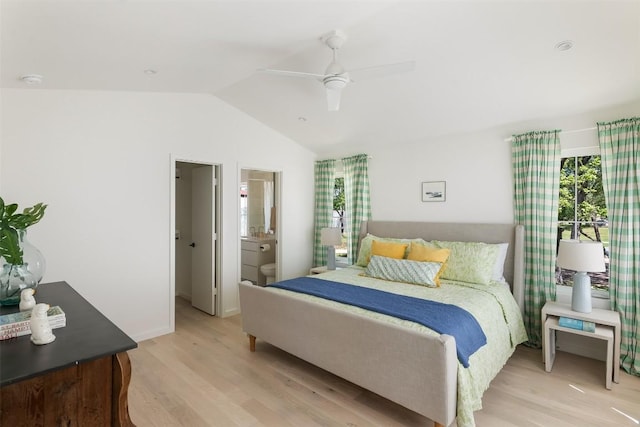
(80, 379)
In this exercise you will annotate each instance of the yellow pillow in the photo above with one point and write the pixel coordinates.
(388, 249)
(424, 253)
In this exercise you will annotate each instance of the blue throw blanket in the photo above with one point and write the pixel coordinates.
(442, 318)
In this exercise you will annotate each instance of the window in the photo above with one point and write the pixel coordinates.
(340, 219)
(582, 213)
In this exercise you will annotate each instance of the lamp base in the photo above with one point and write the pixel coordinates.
(331, 258)
(581, 293)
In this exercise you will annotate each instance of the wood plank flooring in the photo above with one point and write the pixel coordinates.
(204, 375)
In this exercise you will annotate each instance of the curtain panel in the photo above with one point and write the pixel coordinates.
(325, 172)
(357, 200)
(620, 154)
(536, 170)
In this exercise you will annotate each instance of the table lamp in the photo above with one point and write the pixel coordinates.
(582, 257)
(330, 237)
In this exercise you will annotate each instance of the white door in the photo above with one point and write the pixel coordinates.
(203, 286)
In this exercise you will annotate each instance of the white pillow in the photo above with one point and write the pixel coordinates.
(498, 268)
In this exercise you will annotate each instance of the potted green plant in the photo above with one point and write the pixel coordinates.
(22, 264)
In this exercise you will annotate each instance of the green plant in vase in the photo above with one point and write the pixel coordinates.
(22, 264)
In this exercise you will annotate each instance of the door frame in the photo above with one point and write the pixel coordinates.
(277, 185)
(217, 197)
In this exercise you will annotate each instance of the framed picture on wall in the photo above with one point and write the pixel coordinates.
(434, 191)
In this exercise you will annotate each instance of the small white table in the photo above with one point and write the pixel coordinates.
(318, 270)
(607, 328)
(321, 269)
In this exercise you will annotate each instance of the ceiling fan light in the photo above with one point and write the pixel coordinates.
(333, 99)
(335, 82)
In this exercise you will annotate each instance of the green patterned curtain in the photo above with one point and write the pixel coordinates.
(536, 169)
(325, 172)
(357, 201)
(620, 153)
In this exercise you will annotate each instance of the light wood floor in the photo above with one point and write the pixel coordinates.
(204, 375)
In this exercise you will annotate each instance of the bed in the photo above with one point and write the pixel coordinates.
(404, 362)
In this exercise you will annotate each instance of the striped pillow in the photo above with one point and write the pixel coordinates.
(403, 270)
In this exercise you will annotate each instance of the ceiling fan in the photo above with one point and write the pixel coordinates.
(335, 77)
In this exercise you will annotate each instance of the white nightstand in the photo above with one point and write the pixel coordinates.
(318, 270)
(607, 328)
(321, 269)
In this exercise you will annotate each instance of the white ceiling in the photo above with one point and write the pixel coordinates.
(479, 64)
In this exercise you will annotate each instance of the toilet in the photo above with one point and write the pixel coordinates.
(269, 270)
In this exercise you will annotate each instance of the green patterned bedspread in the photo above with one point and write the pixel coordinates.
(502, 325)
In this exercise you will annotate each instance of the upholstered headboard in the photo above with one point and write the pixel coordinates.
(462, 232)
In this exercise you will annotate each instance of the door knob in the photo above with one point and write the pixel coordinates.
(193, 244)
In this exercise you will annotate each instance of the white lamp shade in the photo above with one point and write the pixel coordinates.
(581, 256)
(330, 236)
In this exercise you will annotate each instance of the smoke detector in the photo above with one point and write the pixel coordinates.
(32, 79)
(564, 45)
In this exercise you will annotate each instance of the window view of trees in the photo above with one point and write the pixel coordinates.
(340, 218)
(338, 203)
(582, 211)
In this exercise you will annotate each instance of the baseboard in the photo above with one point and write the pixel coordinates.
(231, 312)
(147, 335)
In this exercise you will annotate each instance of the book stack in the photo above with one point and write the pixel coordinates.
(580, 325)
(17, 324)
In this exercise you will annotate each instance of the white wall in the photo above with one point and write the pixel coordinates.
(102, 162)
(477, 171)
(476, 168)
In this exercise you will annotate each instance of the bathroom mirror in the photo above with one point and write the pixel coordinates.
(257, 203)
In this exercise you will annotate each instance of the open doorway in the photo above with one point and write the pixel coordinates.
(259, 225)
(196, 248)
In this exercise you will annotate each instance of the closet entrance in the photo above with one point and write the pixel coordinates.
(196, 242)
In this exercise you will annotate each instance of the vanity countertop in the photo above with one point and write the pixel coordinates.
(259, 239)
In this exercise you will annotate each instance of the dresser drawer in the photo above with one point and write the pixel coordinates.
(247, 245)
(249, 258)
(249, 273)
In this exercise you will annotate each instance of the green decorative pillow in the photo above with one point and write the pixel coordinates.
(365, 247)
(403, 270)
(471, 262)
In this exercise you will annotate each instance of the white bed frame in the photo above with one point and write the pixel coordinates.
(414, 370)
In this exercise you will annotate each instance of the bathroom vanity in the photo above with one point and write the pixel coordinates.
(254, 253)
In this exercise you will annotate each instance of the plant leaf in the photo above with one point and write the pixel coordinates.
(33, 214)
(9, 247)
(9, 210)
(10, 225)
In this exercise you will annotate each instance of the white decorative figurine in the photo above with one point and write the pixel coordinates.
(27, 301)
(40, 327)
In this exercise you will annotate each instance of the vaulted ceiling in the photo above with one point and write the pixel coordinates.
(479, 64)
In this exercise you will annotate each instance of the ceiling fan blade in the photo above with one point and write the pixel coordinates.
(290, 73)
(381, 71)
(333, 99)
